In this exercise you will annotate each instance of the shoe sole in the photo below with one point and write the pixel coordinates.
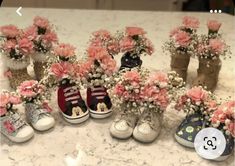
(76, 120)
(100, 115)
(184, 142)
(18, 140)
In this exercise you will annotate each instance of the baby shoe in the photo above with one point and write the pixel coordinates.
(71, 104)
(228, 148)
(188, 129)
(14, 128)
(39, 117)
(99, 102)
(123, 125)
(128, 61)
(148, 126)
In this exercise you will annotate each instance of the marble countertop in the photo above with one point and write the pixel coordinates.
(90, 143)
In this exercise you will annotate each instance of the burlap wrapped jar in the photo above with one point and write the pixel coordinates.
(179, 63)
(208, 73)
(40, 64)
(18, 69)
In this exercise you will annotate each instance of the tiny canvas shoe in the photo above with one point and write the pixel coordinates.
(123, 125)
(128, 61)
(148, 126)
(39, 117)
(99, 102)
(14, 128)
(71, 104)
(188, 129)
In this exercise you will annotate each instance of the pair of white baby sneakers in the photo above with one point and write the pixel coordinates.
(145, 126)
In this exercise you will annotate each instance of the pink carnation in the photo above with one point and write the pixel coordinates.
(97, 53)
(50, 37)
(61, 70)
(4, 99)
(190, 22)
(30, 88)
(108, 64)
(25, 45)
(127, 44)
(197, 94)
(149, 46)
(104, 34)
(213, 25)
(160, 77)
(119, 89)
(182, 38)
(15, 99)
(30, 33)
(10, 31)
(84, 68)
(9, 45)
(175, 31)
(132, 31)
(113, 47)
(41, 22)
(64, 50)
(216, 45)
(132, 76)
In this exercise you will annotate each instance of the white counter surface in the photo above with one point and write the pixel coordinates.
(92, 139)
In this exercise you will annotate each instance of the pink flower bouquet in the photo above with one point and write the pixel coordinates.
(32, 91)
(135, 42)
(183, 38)
(41, 34)
(223, 118)
(197, 100)
(7, 100)
(104, 39)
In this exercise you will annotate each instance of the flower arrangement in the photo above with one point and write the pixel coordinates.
(103, 38)
(212, 46)
(97, 67)
(15, 46)
(7, 100)
(135, 42)
(197, 100)
(32, 91)
(183, 38)
(62, 68)
(138, 88)
(223, 118)
(41, 34)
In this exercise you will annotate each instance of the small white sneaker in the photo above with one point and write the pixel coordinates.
(38, 117)
(148, 126)
(123, 125)
(14, 128)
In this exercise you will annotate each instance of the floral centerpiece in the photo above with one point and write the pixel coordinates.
(198, 104)
(98, 67)
(103, 38)
(16, 50)
(209, 50)
(133, 43)
(11, 124)
(42, 35)
(223, 118)
(35, 97)
(181, 45)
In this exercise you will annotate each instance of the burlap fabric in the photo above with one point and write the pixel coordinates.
(208, 73)
(179, 63)
(18, 76)
(39, 69)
